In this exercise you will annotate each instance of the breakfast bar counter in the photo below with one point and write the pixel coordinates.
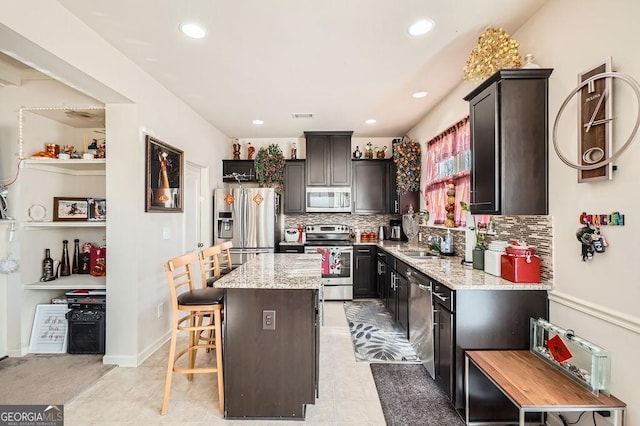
(271, 336)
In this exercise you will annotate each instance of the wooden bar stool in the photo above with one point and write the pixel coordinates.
(226, 265)
(209, 265)
(190, 307)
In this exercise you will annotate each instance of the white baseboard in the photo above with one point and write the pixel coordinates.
(137, 360)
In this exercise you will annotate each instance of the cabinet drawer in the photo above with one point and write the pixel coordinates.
(290, 249)
(401, 268)
(443, 295)
(363, 250)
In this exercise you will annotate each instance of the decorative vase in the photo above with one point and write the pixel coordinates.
(478, 259)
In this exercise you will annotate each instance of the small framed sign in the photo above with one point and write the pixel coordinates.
(49, 331)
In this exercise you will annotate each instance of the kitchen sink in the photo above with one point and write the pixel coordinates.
(420, 254)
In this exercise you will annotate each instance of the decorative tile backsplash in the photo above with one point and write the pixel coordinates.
(536, 231)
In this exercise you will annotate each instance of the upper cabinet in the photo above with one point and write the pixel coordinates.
(238, 170)
(328, 158)
(371, 186)
(509, 139)
(294, 188)
(401, 202)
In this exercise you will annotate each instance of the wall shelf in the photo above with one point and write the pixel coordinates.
(72, 282)
(71, 224)
(69, 167)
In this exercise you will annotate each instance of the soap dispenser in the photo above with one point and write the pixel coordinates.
(447, 244)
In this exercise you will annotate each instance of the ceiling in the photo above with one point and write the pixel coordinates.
(344, 61)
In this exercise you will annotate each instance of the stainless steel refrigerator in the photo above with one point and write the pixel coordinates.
(246, 217)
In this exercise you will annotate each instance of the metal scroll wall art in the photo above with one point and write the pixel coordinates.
(590, 235)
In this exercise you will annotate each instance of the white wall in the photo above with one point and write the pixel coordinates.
(597, 299)
(135, 278)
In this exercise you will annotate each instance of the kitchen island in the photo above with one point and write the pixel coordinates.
(271, 336)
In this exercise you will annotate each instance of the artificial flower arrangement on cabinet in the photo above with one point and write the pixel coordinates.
(495, 50)
(406, 156)
(269, 164)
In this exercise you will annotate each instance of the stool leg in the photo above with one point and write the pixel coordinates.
(218, 337)
(193, 340)
(170, 365)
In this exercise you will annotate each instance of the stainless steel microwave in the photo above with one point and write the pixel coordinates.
(328, 199)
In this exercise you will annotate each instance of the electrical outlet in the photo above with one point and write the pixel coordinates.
(268, 320)
(166, 233)
(160, 309)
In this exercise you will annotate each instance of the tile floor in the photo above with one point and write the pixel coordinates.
(133, 396)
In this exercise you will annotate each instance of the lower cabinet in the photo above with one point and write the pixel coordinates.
(481, 320)
(397, 292)
(263, 377)
(464, 320)
(364, 278)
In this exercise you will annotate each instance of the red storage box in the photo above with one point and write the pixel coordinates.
(520, 269)
(98, 261)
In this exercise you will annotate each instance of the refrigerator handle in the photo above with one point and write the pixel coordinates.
(243, 218)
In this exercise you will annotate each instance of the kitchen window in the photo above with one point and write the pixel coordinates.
(449, 158)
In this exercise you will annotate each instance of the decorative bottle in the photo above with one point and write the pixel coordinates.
(76, 256)
(47, 267)
(65, 269)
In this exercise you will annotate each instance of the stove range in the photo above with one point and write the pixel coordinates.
(332, 241)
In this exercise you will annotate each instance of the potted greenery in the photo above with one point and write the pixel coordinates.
(269, 166)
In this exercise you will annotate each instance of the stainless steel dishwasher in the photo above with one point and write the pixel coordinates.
(421, 318)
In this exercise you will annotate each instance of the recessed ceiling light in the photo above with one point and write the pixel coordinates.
(192, 30)
(421, 27)
(258, 122)
(371, 121)
(419, 94)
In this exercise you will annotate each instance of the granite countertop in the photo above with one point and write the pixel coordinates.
(276, 271)
(450, 272)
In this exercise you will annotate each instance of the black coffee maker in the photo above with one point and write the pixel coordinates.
(397, 234)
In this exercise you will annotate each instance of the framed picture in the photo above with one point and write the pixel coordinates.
(70, 209)
(164, 177)
(97, 209)
(49, 331)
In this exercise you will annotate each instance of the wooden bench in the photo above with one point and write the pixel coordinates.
(532, 385)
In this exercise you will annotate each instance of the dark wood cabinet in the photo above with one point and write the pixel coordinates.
(397, 291)
(382, 275)
(294, 186)
(509, 143)
(244, 168)
(290, 248)
(364, 277)
(399, 203)
(370, 188)
(264, 378)
(328, 159)
(484, 319)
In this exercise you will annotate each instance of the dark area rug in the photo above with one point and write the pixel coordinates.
(409, 396)
(48, 379)
(375, 336)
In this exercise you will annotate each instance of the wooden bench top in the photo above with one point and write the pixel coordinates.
(531, 382)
